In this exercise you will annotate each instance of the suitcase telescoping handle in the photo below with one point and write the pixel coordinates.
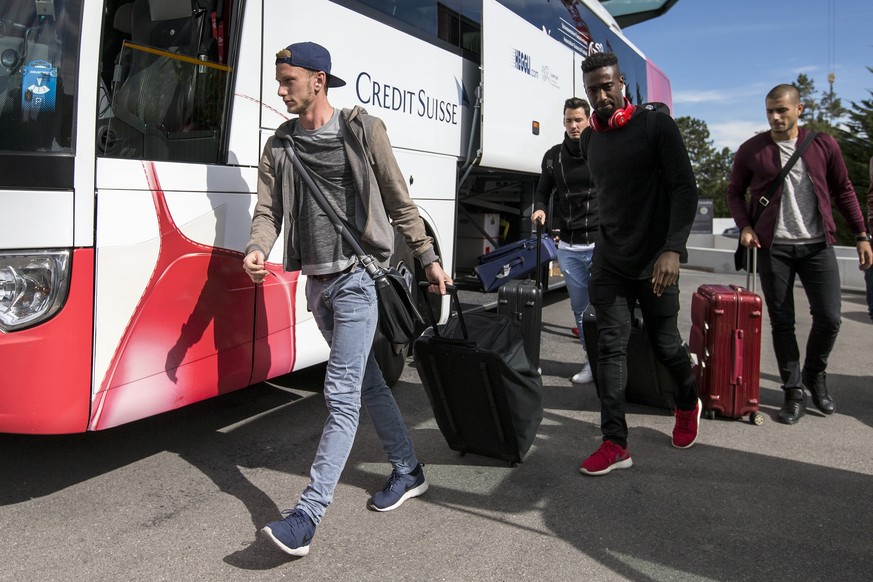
(453, 292)
(752, 270)
(538, 277)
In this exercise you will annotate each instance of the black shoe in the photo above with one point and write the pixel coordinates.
(818, 389)
(794, 407)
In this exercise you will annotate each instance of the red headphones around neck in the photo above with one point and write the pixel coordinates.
(619, 118)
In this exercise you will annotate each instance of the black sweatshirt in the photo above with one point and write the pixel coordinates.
(565, 173)
(646, 193)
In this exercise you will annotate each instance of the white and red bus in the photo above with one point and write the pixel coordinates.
(130, 133)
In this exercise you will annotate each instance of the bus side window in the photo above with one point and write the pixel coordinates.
(167, 96)
(38, 68)
(459, 25)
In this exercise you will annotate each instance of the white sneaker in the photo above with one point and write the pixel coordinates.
(584, 376)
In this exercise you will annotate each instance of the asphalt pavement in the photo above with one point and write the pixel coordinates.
(181, 496)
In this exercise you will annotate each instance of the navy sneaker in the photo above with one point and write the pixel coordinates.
(398, 489)
(292, 533)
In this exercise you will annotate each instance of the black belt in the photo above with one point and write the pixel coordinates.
(331, 276)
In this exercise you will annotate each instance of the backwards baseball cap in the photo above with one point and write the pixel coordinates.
(309, 56)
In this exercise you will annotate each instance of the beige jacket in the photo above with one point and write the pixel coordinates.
(379, 182)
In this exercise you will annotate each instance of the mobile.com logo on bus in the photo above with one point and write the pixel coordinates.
(523, 63)
(415, 102)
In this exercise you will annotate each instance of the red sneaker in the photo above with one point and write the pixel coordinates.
(608, 457)
(574, 331)
(686, 428)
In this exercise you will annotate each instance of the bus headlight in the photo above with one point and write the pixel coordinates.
(33, 286)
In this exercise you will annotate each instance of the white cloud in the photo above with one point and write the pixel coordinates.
(806, 70)
(699, 96)
(738, 95)
(731, 134)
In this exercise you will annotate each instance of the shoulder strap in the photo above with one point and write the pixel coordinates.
(652, 107)
(763, 201)
(368, 261)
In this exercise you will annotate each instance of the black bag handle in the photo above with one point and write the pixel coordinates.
(453, 291)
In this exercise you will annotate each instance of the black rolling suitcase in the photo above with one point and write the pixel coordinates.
(485, 394)
(522, 302)
(648, 381)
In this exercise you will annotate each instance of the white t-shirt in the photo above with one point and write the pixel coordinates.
(799, 220)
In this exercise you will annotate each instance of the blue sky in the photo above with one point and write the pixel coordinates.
(723, 56)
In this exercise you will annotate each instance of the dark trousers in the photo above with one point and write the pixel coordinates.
(614, 298)
(816, 266)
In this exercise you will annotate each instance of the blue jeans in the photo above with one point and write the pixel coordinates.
(614, 298)
(576, 267)
(868, 278)
(816, 266)
(346, 313)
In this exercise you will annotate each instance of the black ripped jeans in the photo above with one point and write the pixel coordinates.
(614, 298)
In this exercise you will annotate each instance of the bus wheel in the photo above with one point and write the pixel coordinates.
(390, 361)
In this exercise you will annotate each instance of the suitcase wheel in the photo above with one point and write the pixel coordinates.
(756, 418)
(709, 414)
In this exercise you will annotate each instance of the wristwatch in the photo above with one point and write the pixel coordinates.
(863, 238)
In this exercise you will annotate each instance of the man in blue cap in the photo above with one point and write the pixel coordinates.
(350, 158)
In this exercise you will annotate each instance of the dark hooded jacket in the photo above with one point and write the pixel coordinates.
(565, 173)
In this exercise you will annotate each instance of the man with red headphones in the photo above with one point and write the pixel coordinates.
(647, 197)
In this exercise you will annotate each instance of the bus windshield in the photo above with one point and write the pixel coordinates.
(39, 42)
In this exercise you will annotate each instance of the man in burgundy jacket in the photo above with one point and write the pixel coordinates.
(795, 234)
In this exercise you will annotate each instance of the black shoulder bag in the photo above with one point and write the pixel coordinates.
(741, 254)
(399, 319)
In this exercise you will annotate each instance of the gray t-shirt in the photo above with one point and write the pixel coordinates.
(322, 249)
(799, 220)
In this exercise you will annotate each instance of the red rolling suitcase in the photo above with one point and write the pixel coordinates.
(726, 339)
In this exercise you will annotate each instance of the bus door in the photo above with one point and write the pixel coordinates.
(174, 311)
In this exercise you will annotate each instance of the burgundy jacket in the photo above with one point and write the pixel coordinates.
(870, 200)
(756, 165)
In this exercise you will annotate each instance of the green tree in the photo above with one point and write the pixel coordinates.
(831, 106)
(711, 167)
(820, 113)
(806, 88)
